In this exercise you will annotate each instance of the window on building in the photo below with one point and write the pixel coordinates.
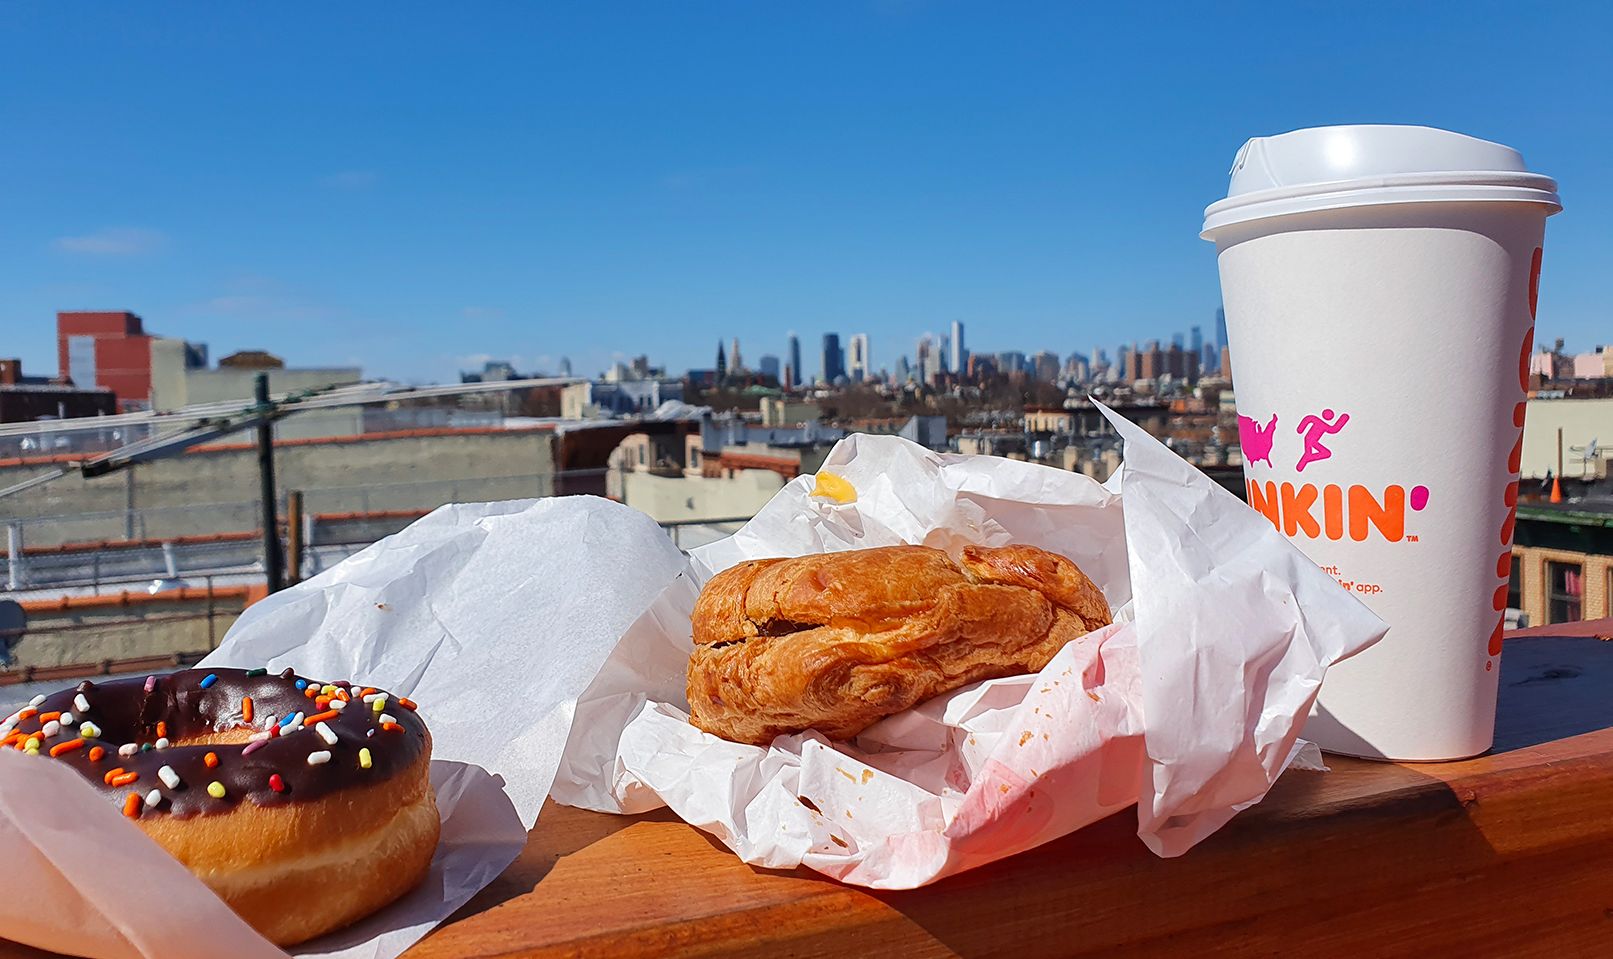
(1515, 585)
(1565, 590)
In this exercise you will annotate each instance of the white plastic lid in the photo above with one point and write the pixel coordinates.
(1327, 168)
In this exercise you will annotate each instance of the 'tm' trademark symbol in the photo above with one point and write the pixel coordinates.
(1411, 539)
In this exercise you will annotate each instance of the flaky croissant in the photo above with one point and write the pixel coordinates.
(837, 641)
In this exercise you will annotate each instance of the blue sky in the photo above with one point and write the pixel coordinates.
(413, 187)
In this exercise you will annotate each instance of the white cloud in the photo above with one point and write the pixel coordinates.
(350, 180)
(113, 241)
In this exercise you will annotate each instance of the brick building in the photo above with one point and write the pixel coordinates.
(1562, 562)
(106, 349)
(24, 399)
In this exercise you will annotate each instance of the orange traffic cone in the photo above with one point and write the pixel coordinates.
(1556, 490)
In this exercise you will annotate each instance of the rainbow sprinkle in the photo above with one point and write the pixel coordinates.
(151, 683)
(209, 680)
(153, 798)
(131, 805)
(260, 671)
(62, 749)
(276, 783)
(81, 704)
(325, 733)
(254, 746)
(169, 777)
(364, 761)
(215, 789)
(319, 758)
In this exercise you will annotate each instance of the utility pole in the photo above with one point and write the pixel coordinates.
(273, 561)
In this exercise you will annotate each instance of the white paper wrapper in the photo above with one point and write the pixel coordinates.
(1188, 706)
(494, 617)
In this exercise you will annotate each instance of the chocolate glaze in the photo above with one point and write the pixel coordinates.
(126, 713)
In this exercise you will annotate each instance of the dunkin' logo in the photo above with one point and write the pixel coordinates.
(1333, 511)
(1328, 510)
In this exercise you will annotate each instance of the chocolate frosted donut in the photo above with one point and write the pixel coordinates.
(258, 782)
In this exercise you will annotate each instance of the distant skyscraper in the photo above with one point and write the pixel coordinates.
(794, 357)
(1177, 340)
(921, 358)
(903, 371)
(1220, 328)
(943, 355)
(1149, 363)
(768, 365)
(722, 366)
(1044, 366)
(833, 363)
(1195, 340)
(734, 360)
(960, 355)
(1176, 361)
(565, 366)
(1209, 359)
(1010, 361)
(858, 366)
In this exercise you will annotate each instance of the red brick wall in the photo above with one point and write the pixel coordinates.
(122, 352)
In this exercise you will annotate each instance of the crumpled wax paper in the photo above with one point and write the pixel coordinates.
(1188, 706)
(494, 617)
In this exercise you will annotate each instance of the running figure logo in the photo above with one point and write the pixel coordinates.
(1314, 428)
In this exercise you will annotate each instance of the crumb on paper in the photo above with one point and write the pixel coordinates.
(839, 842)
(845, 774)
(809, 804)
(867, 775)
(381, 606)
(848, 814)
(1003, 788)
(1093, 696)
(1025, 737)
(832, 487)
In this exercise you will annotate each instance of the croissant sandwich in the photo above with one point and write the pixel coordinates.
(835, 642)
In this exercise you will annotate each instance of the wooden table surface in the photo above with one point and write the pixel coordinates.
(1510, 854)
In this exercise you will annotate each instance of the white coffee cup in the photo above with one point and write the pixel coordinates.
(1379, 285)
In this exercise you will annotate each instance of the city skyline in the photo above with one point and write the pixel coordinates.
(415, 197)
